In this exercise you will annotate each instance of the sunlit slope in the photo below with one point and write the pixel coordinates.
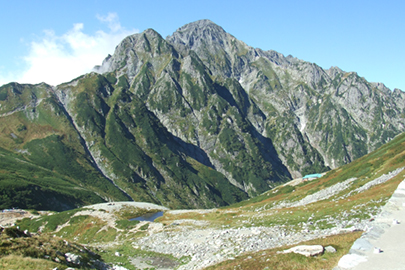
(332, 210)
(364, 172)
(342, 198)
(43, 162)
(342, 201)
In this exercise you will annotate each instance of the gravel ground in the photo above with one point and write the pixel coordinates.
(207, 246)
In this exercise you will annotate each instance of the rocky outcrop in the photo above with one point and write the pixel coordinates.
(313, 105)
(307, 118)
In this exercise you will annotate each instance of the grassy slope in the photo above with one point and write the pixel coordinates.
(54, 172)
(257, 212)
(29, 186)
(361, 206)
(43, 164)
(138, 152)
(19, 251)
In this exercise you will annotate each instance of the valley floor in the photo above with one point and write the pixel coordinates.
(331, 211)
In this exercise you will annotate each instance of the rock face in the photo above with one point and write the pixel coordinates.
(200, 119)
(315, 118)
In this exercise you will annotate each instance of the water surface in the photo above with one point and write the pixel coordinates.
(149, 217)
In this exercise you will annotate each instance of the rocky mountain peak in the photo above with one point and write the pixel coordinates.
(136, 50)
(201, 73)
(200, 24)
(219, 50)
(194, 36)
(199, 28)
(333, 71)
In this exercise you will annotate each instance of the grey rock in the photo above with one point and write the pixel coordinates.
(306, 250)
(330, 249)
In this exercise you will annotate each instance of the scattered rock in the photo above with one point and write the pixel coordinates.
(118, 254)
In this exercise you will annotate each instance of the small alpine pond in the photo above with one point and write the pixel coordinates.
(149, 217)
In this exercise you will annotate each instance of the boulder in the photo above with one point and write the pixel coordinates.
(330, 249)
(72, 258)
(306, 250)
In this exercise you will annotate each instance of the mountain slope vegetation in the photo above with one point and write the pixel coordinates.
(331, 210)
(196, 120)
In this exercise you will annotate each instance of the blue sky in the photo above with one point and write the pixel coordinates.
(56, 41)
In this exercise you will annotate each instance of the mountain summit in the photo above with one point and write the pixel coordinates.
(199, 119)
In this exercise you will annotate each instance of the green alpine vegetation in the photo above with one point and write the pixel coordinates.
(227, 237)
(196, 120)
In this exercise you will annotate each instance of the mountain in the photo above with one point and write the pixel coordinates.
(196, 120)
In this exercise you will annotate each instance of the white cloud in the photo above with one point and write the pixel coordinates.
(56, 59)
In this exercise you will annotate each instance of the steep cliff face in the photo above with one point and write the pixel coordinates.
(312, 115)
(199, 119)
(217, 93)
